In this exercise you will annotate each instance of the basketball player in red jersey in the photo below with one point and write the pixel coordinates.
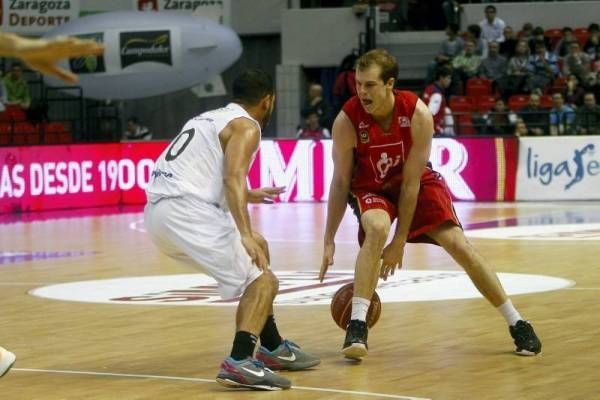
(381, 145)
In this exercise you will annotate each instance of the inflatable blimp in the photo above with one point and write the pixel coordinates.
(148, 54)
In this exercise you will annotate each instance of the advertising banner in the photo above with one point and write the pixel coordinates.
(559, 168)
(477, 169)
(77, 176)
(217, 10)
(145, 46)
(35, 17)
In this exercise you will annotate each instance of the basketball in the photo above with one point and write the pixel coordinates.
(341, 307)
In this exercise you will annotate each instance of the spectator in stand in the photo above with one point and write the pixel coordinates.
(473, 33)
(500, 120)
(517, 73)
(564, 44)
(492, 27)
(562, 117)
(312, 129)
(315, 102)
(452, 10)
(534, 116)
(588, 116)
(136, 131)
(507, 48)
(17, 89)
(538, 34)
(449, 49)
(434, 96)
(521, 128)
(494, 65)
(592, 46)
(543, 67)
(579, 64)
(573, 92)
(465, 65)
(3, 98)
(345, 82)
(595, 88)
(526, 32)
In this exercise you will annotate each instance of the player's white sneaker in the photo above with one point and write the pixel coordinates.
(7, 359)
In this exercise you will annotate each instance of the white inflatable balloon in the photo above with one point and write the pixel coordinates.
(148, 53)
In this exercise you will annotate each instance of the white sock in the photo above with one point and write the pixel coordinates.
(360, 307)
(509, 312)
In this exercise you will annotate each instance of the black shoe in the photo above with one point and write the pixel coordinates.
(526, 341)
(355, 345)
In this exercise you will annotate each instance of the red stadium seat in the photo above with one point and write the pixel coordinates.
(485, 103)
(518, 101)
(462, 104)
(463, 124)
(479, 87)
(4, 139)
(65, 137)
(5, 127)
(554, 34)
(24, 127)
(582, 35)
(55, 127)
(558, 85)
(546, 101)
(4, 116)
(16, 113)
(51, 138)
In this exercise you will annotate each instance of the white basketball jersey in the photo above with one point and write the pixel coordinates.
(192, 164)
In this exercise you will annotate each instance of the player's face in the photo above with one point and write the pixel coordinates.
(371, 89)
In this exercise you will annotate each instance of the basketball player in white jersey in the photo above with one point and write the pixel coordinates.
(43, 56)
(197, 212)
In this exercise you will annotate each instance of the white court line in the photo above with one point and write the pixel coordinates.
(178, 378)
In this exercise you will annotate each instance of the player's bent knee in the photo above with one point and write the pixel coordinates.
(271, 280)
(376, 227)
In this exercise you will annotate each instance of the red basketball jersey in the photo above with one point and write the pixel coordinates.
(379, 156)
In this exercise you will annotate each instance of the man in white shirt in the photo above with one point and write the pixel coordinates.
(492, 27)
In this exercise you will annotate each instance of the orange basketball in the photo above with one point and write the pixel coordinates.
(341, 307)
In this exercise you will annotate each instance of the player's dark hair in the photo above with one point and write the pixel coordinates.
(443, 72)
(380, 57)
(251, 86)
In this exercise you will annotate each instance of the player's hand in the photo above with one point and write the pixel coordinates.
(43, 54)
(255, 252)
(391, 258)
(328, 251)
(265, 195)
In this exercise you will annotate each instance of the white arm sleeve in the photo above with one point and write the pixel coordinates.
(435, 102)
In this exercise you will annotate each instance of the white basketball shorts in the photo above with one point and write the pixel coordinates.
(205, 236)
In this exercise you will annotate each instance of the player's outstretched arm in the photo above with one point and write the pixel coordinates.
(43, 54)
(242, 137)
(344, 142)
(416, 161)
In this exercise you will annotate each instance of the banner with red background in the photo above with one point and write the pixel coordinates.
(77, 176)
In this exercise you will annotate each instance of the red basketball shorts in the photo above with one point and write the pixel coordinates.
(434, 207)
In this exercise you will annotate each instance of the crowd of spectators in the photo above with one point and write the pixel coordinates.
(538, 81)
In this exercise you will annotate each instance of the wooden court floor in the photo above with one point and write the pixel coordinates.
(422, 348)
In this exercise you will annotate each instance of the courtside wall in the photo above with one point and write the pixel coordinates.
(476, 169)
